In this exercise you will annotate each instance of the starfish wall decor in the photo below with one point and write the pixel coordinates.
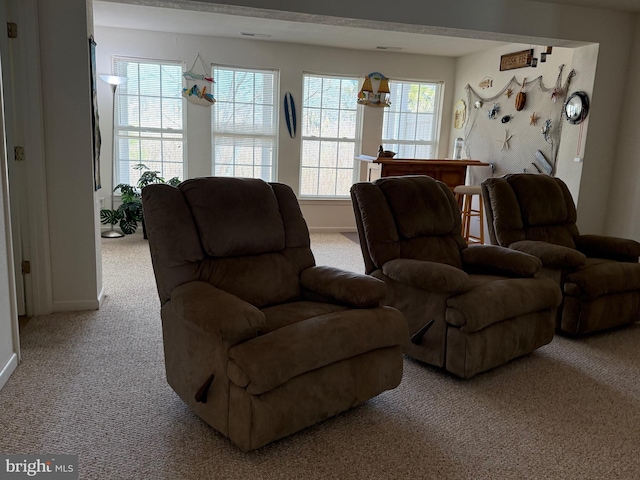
(534, 119)
(505, 142)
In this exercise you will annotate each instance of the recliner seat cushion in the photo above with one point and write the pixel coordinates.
(279, 316)
(265, 362)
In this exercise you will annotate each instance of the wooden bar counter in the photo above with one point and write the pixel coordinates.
(451, 172)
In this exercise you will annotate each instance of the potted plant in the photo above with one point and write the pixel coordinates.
(129, 213)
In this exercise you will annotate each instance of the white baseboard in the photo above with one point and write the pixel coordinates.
(76, 305)
(8, 369)
(332, 229)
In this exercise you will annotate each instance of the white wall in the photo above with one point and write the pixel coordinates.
(291, 60)
(519, 21)
(472, 69)
(624, 203)
(72, 208)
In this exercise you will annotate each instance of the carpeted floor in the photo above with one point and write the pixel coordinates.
(92, 384)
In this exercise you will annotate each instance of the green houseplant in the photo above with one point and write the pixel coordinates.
(129, 213)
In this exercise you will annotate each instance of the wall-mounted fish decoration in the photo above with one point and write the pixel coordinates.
(486, 83)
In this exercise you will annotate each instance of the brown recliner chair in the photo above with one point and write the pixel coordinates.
(468, 309)
(600, 275)
(258, 341)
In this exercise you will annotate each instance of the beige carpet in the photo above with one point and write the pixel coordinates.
(92, 384)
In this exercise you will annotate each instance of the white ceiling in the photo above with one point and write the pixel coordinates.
(130, 14)
(110, 14)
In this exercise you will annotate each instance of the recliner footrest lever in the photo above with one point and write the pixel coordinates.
(417, 337)
(201, 394)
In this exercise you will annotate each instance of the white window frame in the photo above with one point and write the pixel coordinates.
(118, 131)
(273, 137)
(356, 140)
(399, 109)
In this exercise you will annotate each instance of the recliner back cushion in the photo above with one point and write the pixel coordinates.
(547, 209)
(409, 198)
(256, 252)
(235, 216)
(427, 218)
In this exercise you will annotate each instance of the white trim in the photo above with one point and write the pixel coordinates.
(332, 229)
(101, 296)
(5, 216)
(334, 202)
(36, 171)
(8, 369)
(74, 306)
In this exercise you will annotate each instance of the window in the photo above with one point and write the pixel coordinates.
(410, 124)
(244, 123)
(329, 126)
(149, 119)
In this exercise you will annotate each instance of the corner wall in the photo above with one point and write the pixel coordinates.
(64, 61)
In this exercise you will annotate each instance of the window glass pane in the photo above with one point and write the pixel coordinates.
(346, 155)
(171, 79)
(172, 113)
(149, 119)
(309, 181)
(327, 181)
(347, 124)
(311, 122)
(149, 79)
(313, 91)
(329, 123)
(244, 122)
(410, 125)
(310, 153)
(329, 111)
(328, 154)
(129, 109)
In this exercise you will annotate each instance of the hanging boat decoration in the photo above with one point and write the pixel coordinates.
(372, 96)
(521, 97)
(197, 93)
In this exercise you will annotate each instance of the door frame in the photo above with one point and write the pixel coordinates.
(5, 217)
(26, 124)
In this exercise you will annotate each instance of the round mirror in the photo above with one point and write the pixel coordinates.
(576, 107)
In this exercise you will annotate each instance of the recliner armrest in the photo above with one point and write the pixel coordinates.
(614, 248)
(434, 276)
(493, 259)
(551, 255)
(353, 289)
(217, 312)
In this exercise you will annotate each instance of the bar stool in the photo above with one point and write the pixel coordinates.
(466, 193)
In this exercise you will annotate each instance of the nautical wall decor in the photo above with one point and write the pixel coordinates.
(375, 91)
(290, 114)
(521, 59)
(198, 85)
(533, 130)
